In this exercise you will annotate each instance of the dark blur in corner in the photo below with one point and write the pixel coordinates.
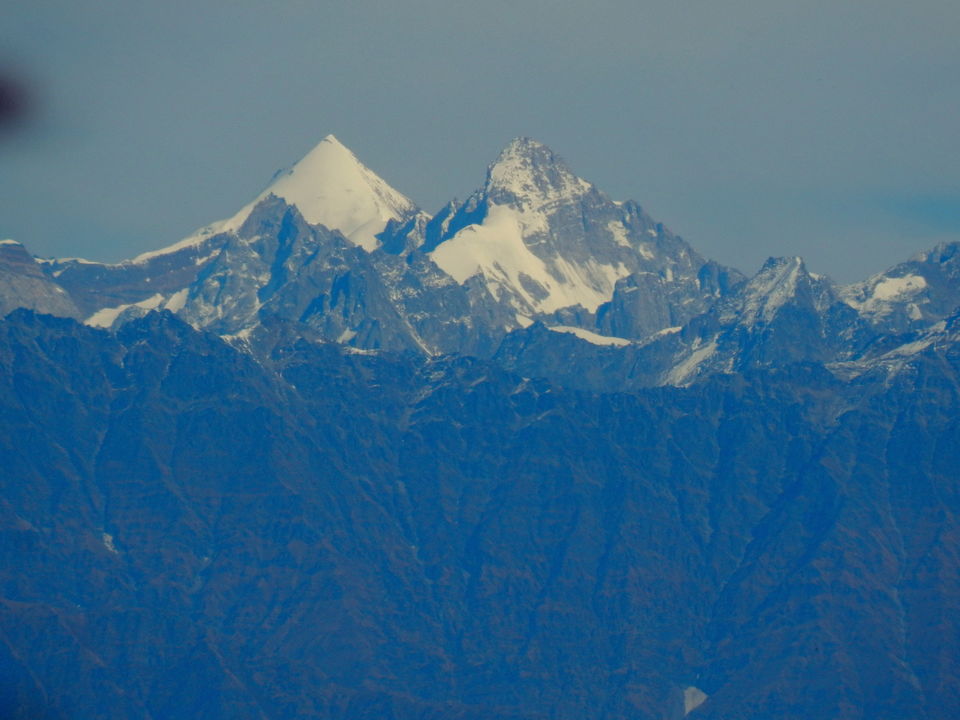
(15, 104)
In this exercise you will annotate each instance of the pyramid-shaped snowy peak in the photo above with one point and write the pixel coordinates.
(331, 187)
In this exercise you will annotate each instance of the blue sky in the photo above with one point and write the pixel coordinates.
(752, 128)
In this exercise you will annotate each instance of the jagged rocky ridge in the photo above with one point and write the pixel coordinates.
(332, 248)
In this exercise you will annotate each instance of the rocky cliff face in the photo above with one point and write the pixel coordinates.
(23, 284)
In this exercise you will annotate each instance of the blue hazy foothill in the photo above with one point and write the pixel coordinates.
(190, 531)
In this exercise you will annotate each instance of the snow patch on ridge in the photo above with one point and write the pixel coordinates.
(591, 337)
(683, 373)
(663, 333)
(619, 233)
(878, 294)
(896, 288)
(177, 300)
(190, 241)
(105, 317)
(107, 539)
(693, 697)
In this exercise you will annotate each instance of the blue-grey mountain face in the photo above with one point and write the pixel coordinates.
(531, 457)
(190, 532)
(23, 283)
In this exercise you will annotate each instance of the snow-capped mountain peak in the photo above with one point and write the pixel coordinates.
(772, 287)
(332, 246)
(513, 232)
(331, 187)
(542, 240)
(529, 175)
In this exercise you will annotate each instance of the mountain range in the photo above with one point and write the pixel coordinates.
(331, 247)
(529, 457)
